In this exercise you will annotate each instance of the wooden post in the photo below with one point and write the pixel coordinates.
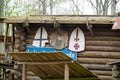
(24, 72)
(5, 41)
(66, 70)
(116, 72)
(13, 37)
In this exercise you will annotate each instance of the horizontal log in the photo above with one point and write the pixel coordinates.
(62, 19)
(17, 46)
(103, 67)
(29, 73)
(99, 54)
(19, 28)
(2, 55)
(16, 50)
(29, 41)
(22, 48)
(103, 28)
(103, 43)
(102, 38)
(23, 38)
(30, 36)
(98, 33)
(103, 48)
(19, 35)
(18, 32)
(105, 73)
(17, 41)
(105, 77)
(23, 43)
(95, 60)
(29, 44)
(33, 78)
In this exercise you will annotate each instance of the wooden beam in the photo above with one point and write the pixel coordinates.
(117, 62)
(103, 48)
(103, 43)
(95, 60)
(99, 67)
(13, 37)
(66, 70)
(99, 54)
(89, 78)
(47, 62)
(62, 19)
(6, 41)
(89, 26)
(6, 66)
(24, 72)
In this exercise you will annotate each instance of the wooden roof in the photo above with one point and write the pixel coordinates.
(51, 65)
(69, 19)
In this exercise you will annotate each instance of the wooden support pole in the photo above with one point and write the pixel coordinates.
(66, 70)
(24, 72)
(89, 26)
(116, 72)
(13, 37)
(5, 41)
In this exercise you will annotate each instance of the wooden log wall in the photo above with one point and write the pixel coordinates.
(101, 49)
(20, 38)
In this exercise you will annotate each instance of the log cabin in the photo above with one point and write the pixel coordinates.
(102, 44)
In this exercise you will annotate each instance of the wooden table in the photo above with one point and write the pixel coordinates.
(51, 66)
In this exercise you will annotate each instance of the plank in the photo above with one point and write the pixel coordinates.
(24, 72)
(96, 60)
(103, 48)
(103, 43)
(102, 38)
(105, 77)
(61, 19)
(42, 62)
(66, 72)
(102, 67)
(99, 54)
(106, 73)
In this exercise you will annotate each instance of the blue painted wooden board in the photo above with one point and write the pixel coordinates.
(66, 51)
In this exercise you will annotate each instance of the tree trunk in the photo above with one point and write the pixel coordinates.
(44, 7)
(1, 25)
(51, 7)
(1, 14)
(113, 7)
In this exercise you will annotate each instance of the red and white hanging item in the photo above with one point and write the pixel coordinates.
(77, 40)
(116, 24)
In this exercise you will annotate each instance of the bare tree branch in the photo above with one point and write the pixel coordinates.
(77, 8)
